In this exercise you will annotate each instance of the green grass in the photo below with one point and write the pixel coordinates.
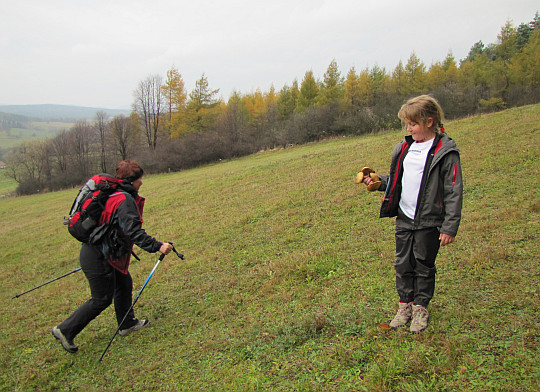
(288, 278)
(7, 184)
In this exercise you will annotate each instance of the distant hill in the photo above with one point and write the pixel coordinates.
(9, 120)
(59, 112)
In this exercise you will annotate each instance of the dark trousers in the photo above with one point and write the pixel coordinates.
(106, 285)
(416, 251)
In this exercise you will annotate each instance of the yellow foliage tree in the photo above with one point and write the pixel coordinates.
(352, 90)
(175, 96)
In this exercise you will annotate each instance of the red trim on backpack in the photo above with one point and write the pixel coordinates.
(111, 206)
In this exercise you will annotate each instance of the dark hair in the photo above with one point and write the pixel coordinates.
(129, 170)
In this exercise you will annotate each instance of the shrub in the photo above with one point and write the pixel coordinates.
(492, 104)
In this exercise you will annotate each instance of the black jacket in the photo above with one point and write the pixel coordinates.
(121, 227)
(441, 191)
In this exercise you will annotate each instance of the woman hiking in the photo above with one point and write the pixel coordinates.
(105, 259)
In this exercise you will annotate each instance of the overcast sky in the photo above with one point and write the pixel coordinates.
(94, 53)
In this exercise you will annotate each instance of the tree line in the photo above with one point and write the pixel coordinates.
(170, 129)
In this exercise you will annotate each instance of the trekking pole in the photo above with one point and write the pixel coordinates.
(181, 256)
(50, 281)
(63, 276)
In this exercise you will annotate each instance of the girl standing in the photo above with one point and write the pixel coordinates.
(424, 190)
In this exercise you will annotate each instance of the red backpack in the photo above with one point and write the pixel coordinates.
(89, 204)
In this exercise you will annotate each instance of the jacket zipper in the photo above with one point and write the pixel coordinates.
(434, 149)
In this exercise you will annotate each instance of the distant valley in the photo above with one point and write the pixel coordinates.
(19, 123)
(64, 113)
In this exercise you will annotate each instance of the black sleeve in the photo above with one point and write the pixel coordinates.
(130, 222)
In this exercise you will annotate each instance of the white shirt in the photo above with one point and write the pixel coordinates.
(413, 170)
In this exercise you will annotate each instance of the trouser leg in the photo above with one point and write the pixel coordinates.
(425, 248)
(404, 265)
(416, 251)
(100, 276)
(123, 299)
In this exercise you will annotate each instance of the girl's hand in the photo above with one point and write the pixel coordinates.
(367, 180)
(446, 239)
(165, 248)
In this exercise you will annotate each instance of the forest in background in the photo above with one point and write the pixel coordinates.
(170, 129)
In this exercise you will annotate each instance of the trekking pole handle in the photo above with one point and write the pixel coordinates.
(180, 255)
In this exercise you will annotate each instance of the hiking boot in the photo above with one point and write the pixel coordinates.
(140, 325)
(67, 344)
(420, 318)
(403, 315)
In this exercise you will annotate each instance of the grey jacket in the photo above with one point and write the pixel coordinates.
(441, 191)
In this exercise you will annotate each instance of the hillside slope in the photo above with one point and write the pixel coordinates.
(288, 278)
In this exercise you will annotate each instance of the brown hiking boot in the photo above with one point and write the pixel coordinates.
(403, 315)
(420, 318)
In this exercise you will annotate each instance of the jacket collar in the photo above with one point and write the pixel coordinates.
(129, 188)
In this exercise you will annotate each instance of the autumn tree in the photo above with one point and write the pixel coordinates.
(442, 73)
(365, 88)
(263, 111)
(415, 76)
(259, 105)
(508, 45)
(235, 118)
(175, 98)
(524, 72)
(255, 104)
(352, 90)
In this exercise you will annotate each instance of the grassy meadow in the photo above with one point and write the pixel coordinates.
(288, 280)
(7, 184)
(35, 130)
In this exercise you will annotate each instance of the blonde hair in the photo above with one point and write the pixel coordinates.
(420, 109)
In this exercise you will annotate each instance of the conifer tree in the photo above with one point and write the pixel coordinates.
(332, 88)
(508, 45)
(415, 74)
(202, 107)
(309, 90)
(287, 100)
(352, 93)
